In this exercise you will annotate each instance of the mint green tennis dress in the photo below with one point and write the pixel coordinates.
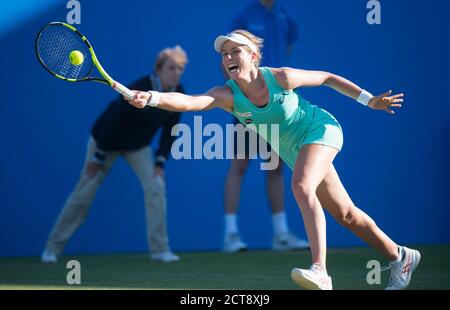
(300, 123)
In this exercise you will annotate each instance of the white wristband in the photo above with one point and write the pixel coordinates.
(365, 97)
(154, 99)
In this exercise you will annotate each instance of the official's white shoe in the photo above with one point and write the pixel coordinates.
(313, 278)
(164, 257)
(49, 257)
(288, 241)
(402, 270)
(233, 244)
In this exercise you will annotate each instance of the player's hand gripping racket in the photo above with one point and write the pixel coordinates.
(68, 55)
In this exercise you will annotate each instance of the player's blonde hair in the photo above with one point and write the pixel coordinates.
(255, 40)
(176, 53)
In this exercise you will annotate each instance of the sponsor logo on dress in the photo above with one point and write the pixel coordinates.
(244, 114)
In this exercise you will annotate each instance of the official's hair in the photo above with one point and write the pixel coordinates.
(176, 53)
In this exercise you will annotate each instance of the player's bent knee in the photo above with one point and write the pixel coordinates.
(344, 217)
(349, 217)
(303, 191)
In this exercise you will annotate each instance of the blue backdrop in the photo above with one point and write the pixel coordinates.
(395, 168)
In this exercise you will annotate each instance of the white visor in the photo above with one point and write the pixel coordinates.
(235, 37)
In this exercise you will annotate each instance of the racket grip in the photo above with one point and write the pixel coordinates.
(123, 90)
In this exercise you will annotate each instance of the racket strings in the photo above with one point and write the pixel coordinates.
(55, 44)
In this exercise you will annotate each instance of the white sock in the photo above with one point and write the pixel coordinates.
(279, 223)
(400, 256)
(230, 224)
(321, 268)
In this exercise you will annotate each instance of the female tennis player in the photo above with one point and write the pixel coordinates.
(309, 140)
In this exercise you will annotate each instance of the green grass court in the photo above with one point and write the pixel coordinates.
(251, 270)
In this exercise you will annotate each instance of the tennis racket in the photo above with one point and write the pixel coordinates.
(57, 43)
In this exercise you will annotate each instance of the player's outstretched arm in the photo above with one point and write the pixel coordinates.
(218, 97)
(290, 78)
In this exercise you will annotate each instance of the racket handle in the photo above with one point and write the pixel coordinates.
(123, 90)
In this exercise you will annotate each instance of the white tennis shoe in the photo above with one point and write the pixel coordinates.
(313, 278)
(402, 270)
(234, 244)
(287, 242)
(164, 257)
(49, 257)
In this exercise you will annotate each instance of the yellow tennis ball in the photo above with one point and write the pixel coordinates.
(76, 58)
